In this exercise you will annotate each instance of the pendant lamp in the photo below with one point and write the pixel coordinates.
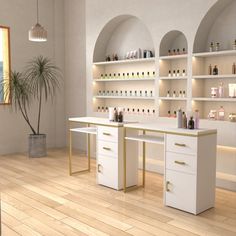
(37, 33)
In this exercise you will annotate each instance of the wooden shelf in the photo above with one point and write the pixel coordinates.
(151, 59)
(146, 139)
(174, 57)
(214, 99)
(173, 77)
(125, 97)
(173, 99)
(124, 79)
(215, 54)
(214, 76)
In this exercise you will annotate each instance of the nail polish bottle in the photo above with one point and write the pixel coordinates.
(135, 93)
(123, 75)
(153, 112)
(142, 74)
(121, 93)
(116, 93)
(110, 76)
(133, 111)
(143, 111)
(177, 73)
(151, 94)
(145, 93)
(211, 48)
(126, 94)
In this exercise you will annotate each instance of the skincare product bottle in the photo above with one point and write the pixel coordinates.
(148, 74)
(148, 112)
(174, 73)
(214, 92)
(234, 69)
(142, 74)
(169, 74)
(175, 114)
(126, 94)
(130, 93)
(138, 74)
(217, 48)
(116, 92)
(184, 120)
(169, 115)
(133, 111)
(210, 70)
(140, 93)
(221, 113)
(114, 75)
(178, 52)
(111, 114)
(135, 93)
(191, 123)
(174, 94)
(177, 73)
(112, 93)
(215, 70)
(183, 95)
(115, 115)
(127, 75)
(174, 52)
(183, 74)
(145, 93)
(168, 94)
(143, 111)
(110, 76)
(179, 118)
(153, 73)
(123, 75)
(120, 116)
(153, 112)
(105, 77)
(138, 112)
(151, 94)
(118, 75)
(196, 119)
(101, 77)
(99, 109)
(102, 109)
(169, 52)
(180, 94)
(211, 47)
(234, 45)
(221, 90)
(132, 74)
(184, 51)
(121, 93)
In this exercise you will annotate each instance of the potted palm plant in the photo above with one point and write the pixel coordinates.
(38, 82)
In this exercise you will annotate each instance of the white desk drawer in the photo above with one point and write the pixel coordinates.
(107, 134)
(181, 162)
(107, 148)
(181, 144)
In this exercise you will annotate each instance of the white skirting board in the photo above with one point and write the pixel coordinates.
(223, 180)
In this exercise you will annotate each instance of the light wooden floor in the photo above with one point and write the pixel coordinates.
(39, 198)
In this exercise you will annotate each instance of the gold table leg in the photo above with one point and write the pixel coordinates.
(71, 155)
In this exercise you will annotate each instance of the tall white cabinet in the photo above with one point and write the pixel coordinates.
(190, 172)
(110, 147)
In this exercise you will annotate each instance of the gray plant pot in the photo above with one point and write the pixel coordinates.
(37, 145)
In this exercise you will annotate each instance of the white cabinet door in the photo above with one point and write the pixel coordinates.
(107, 171)
(180, 191)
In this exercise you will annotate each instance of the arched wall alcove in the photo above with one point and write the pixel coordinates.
(173, 40)
(218, 25)
(120, 35)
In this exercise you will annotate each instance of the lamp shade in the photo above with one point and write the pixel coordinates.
(37, 33)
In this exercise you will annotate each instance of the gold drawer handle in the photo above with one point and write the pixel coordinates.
(180, 144)
(180, 162)
(106, 148)
(99, 171)
(107, 134)
(167, 183)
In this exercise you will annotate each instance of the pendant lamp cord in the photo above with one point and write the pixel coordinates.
(37, 11)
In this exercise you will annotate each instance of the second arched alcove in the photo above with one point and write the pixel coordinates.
(173, 73)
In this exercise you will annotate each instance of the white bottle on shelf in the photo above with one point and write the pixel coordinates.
(221, 90)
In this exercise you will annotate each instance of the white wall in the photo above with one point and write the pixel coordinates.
(20, 16)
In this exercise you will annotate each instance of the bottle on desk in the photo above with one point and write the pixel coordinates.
(179, 118)
(184, 120)
(191, 123)
(196, 119)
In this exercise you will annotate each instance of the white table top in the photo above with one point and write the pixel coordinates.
(97, 121)
(152, 126)
(162, 128)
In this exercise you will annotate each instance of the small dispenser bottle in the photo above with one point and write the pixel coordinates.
(169, 114)
(168, 94)
(137, 74)
(184, 119)
(179, 118)
(101, 77)
(175, 114)
(210, 70)
(180, 94)
(221, 90)
(169, 74)
(191, 123)
(132, 74)
(215, 70)
(184, 73)
(184, 51)
(221, 113)
(169, 52)
(196, 119)
(173, 73)
(174, 52)
(153, 73)
(183, 95)
(217, 48)
(178, 52)
(211, 48)
(99, 109)
(174, 94)
(234, 69)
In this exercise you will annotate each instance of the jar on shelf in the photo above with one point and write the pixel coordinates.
(214, 92)
(212, 115)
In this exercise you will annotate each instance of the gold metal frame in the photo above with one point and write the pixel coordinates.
(71, 155)
(125, 188)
